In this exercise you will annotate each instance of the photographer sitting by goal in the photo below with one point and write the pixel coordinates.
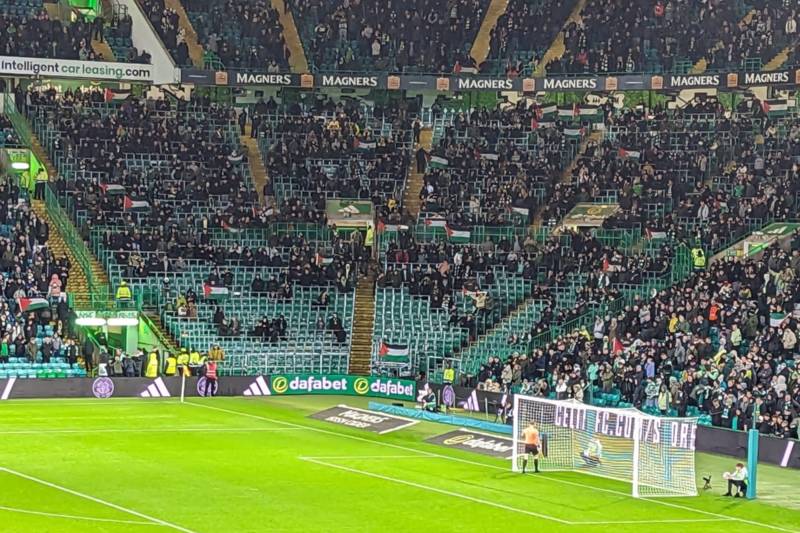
(737, 479)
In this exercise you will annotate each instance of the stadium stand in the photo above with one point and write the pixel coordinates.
(241, 35)
(523, 34)
(417, 36)
(704, 345)
(30, 31)
(171, 208)
(36, 333)
(664, 36)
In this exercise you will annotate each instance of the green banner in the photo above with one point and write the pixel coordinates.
(378, 387)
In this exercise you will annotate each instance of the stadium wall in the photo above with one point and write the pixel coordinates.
(710, 439)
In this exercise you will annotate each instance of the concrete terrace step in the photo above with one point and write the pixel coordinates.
(364, 321)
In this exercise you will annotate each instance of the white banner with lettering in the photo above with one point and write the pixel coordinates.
(67, 68)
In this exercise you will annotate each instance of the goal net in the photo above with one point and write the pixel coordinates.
(654, 454)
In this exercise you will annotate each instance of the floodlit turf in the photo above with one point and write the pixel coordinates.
(241, 465)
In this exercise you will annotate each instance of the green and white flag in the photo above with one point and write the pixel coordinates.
(776, 319)
(439, 162)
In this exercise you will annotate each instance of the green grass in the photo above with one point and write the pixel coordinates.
(242, 465)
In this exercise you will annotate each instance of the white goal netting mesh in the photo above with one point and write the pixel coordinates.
(654, 454)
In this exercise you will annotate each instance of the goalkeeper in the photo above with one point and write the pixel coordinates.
(532, 444)
(593, 454)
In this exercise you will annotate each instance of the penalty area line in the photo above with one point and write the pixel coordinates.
(486, 465)
(428, 488)
(153, 520)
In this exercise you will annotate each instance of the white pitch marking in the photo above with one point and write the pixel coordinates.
(144, 430)
(75, 517)
(385, 431)
(667, 521)
(485, 465)
(307, 457)
(85, 496)
(440, 491)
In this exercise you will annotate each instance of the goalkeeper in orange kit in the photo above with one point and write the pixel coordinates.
(532, 445)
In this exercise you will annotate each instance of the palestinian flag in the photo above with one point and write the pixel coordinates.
(215, 293)
(490, 156)
(588, 110)
(32, 304)
(397, 353)
(439, 162)
(116, 95)
(365, 146)
(775, 107)
(573, 132)
(112, 188)
(129, 204)
(655, 234)
(436, 222)
(230, 229)
(629, 154)
(321, 260)
(549, 110)
(458, 235)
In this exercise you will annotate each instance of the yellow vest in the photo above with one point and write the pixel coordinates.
(194, 358)
(449, 375)
(172, 366)
(124, 292)
(698, 258)
(152, 365)
(183, 358)
(370, 238)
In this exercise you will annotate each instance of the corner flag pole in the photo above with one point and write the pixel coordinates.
(183, 385)
(752, 462)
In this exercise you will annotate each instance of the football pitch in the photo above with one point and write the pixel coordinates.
(260, 464)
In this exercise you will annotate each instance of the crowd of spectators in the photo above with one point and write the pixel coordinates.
(317, 158)
(29, 269)
(524, 33)
(770, 27)
(619, 36)
(191, 152)
(724, 341)
(37, 35)
(166, 23)
(242, 34)
(500, 165)
(423, 35)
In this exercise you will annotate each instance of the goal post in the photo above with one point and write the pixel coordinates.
(654, 454)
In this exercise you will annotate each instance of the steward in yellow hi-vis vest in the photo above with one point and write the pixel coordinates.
(171, 365)
(151, 371)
